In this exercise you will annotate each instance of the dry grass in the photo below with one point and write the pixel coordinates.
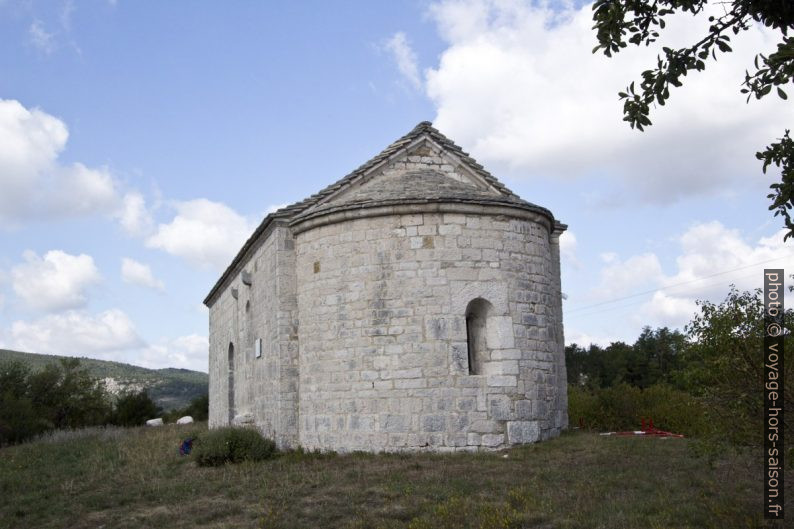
(581, 480)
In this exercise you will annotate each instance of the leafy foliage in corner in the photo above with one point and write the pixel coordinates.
(781, 154)
(619, 23)
(134, 409)
(232, 445)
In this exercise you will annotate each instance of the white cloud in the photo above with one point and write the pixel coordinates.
(585, 340)
(405, 58)
(205, 233)
(109, 335)
(35, 184)
(43, 40)
(56, 282)
(188, 352)
(66, 15)
(619, 278)
(608, 257)
(568, 249)
(76, 333)
(133, 215)
(665, 310)
(711, 258)
(273, 208)
(519, 86)
(714, 256)
(140, 274)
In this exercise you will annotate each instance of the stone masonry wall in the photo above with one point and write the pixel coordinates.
(265, 388)
(383, 343)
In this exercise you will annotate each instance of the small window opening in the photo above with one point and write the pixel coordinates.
(476, 321)
(231, 383)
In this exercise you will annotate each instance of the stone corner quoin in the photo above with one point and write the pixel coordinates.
(413, 305)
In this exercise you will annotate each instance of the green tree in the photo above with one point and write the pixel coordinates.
(18, 419)
(576, 364)
(199, 408)
(659, 350)
(67, 396)
(134, 409)
(725, 367)
(622, 22)
(61, 395)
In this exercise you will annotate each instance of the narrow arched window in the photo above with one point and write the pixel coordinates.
(476, 323)
(231, 383)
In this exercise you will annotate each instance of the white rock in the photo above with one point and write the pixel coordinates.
(187, 419)
(154, 422)
(243, 419)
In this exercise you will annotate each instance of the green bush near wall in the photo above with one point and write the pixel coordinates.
(232, 445)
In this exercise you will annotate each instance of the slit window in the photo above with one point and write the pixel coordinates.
(476, 323)
(231, 383)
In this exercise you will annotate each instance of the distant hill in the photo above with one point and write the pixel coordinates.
(170, 388)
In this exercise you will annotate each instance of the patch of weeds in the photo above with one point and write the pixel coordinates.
(232, 445)
(300, 454)
(458, 512)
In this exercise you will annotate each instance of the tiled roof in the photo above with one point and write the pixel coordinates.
(418, 184)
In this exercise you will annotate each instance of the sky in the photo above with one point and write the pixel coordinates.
(142, 142)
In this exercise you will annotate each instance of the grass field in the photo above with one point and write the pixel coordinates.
(135, 478)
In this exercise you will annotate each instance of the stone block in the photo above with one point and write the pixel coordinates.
(433, 423)
(519, 432)
(502, 380)
(394, 423)
(499, 332)
(436, 328)
(492, 440)
(523, 409)
(500, 407)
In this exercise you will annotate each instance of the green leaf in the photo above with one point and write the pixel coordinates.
(781, 93)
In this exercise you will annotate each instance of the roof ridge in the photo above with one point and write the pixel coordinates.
(296, 208)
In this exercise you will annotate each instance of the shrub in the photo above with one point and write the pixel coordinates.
(62, 395)
(623, 407)
(232, 445)
(198, 409)
(134, 409)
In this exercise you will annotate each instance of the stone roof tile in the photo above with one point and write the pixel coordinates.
(422, 183)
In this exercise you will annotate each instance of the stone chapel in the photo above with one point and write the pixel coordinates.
(415, 304)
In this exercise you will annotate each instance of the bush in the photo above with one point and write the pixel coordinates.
(62, 395)
(232, 445)
(198, 409)
(623, 407)
(134, 409)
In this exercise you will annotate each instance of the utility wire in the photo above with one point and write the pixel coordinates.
(574, 309)
(634, 303)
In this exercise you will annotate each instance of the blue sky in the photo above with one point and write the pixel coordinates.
(141, 142)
